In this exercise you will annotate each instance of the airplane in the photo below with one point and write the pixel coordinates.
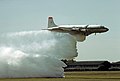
(78, 31)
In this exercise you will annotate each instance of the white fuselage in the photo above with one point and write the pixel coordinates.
(70, 26)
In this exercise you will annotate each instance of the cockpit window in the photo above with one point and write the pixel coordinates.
(102, 27)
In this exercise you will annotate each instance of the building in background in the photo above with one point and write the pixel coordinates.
(91, 66)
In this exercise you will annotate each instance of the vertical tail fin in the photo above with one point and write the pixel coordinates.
(51, 22)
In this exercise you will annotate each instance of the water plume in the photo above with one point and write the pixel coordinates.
(35, 53)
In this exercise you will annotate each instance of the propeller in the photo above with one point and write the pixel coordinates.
(86, 26)
(86, 30)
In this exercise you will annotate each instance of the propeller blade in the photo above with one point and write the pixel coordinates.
(86, 26)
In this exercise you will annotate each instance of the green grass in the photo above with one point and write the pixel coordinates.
(77, 76)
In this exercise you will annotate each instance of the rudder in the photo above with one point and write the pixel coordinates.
(51, 22)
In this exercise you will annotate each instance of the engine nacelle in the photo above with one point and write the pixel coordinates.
(79, 37)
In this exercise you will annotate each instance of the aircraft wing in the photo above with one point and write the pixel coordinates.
(60, 28)
(71, 30)
(64, 29)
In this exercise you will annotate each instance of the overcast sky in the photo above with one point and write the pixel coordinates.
(27, 15)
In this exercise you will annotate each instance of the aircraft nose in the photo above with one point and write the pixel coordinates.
(106, 29)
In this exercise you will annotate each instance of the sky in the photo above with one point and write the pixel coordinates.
(28, 15)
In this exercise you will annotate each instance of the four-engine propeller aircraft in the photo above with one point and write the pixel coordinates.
(80, 31)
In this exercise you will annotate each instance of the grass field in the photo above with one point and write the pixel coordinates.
(77, 76)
